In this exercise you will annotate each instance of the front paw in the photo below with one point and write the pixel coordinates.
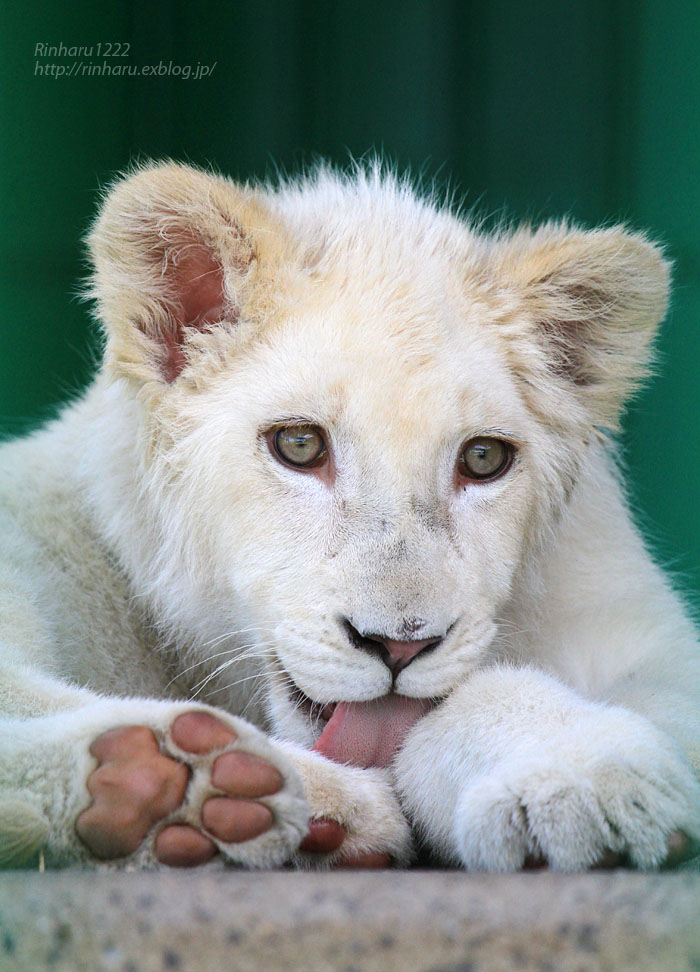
(610, 789)
(208, 784)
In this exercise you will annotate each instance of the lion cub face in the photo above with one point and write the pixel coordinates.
(381, 491)
(358, 417)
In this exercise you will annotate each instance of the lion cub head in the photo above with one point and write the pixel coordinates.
(352, 419)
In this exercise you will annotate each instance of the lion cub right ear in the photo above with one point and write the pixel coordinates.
(176, 252)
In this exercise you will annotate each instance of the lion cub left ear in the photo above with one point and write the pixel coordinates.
(594, 300)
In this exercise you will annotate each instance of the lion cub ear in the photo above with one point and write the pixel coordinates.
(594, 300)
(175, 252)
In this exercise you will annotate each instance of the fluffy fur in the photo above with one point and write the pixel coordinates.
(154, 555)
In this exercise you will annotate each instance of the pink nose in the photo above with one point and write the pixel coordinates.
(402, 652)
(396, 655)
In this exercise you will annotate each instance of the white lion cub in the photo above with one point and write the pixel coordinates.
(333, 552)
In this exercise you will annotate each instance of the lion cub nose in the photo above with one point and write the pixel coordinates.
(396, 655)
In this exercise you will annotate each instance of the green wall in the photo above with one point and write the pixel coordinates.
(586, 108)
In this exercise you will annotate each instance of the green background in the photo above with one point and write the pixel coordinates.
(584, 108)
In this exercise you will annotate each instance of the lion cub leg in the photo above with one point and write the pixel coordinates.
(516, 769)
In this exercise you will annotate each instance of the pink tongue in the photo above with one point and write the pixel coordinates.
(369, 733)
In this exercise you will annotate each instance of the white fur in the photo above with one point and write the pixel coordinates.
(151, 545)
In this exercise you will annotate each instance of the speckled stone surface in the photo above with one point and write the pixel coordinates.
(388, 921)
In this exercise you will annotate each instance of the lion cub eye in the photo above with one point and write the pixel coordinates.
(302, 446)
(483, 459)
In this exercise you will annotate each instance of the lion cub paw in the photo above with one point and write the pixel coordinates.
(179, 797)
(580, 806)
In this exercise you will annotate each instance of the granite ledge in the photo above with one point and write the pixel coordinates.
(388, 921)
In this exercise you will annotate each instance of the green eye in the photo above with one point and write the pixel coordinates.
(483, 459)
(300, 445)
